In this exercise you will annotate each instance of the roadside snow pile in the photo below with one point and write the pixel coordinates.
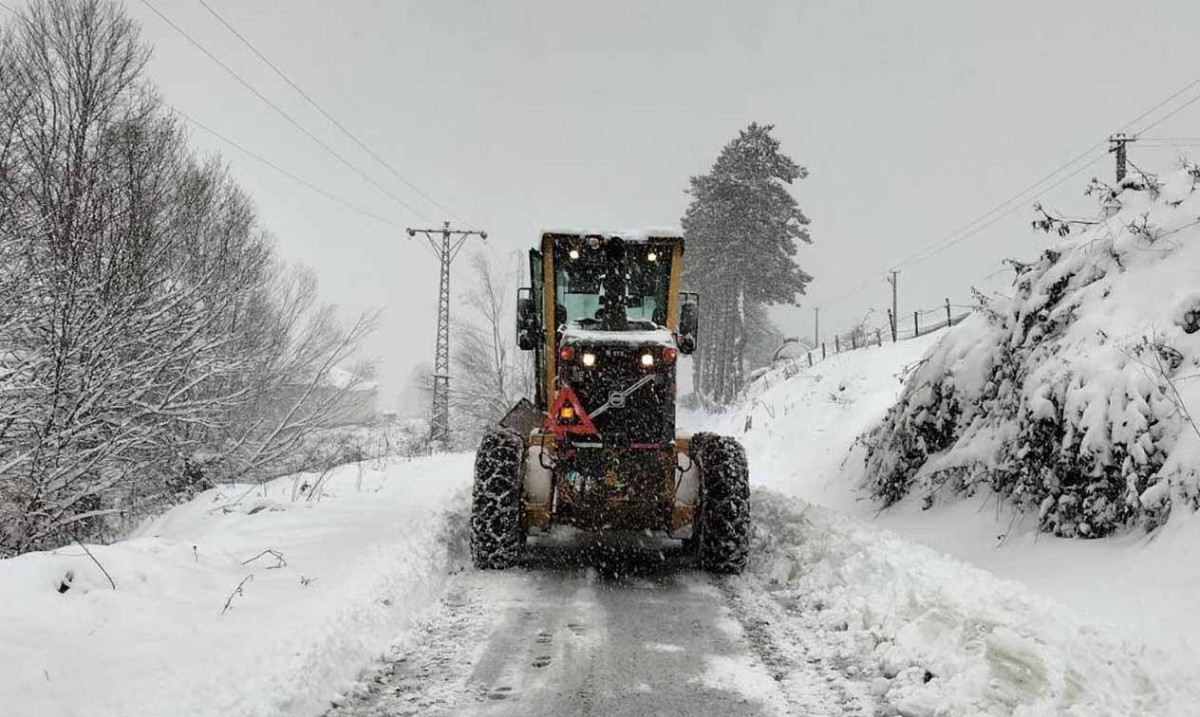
(928, 636)
(798, 429)
(1072, 397)
(206, 620)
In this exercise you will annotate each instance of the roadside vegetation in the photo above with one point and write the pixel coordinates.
(152, 342)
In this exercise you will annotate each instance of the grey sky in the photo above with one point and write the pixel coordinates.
(912, 118)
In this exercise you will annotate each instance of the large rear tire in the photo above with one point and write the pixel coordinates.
(496, 534)
(724, 540)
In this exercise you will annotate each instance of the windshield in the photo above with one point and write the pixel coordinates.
(615, 286)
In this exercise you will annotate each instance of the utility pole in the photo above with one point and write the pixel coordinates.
(894, 316)
(1117, 144)
(816, 326)
(446, 243)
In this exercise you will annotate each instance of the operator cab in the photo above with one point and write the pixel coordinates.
(610, 295)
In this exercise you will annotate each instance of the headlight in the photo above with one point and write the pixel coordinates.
(589, 359)
(647, 359)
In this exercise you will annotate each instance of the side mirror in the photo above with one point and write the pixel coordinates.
(527, 328)
(689, 325)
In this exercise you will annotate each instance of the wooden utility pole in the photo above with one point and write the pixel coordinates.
(446, 243)
(816, 325)
(1116, 145)
(894, 316)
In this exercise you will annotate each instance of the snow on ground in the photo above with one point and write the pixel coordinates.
(1140, 587)
(930, 636)
(803, 426)
(361, 563)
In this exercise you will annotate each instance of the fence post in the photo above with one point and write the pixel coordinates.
(892, 324)
(810, 359)
(822, 350)
(916, 324)
(878, 337)
(854, 341)
(948, 317)
(837, 344)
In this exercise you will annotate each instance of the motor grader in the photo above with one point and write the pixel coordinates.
(597, 448)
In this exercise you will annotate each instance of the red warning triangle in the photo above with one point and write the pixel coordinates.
(581, 423)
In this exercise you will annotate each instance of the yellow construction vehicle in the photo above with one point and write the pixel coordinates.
(597, 447)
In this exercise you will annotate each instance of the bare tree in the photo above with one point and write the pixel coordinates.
(150, 340)
(490, 376)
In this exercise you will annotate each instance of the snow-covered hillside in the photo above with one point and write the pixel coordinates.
(801, 428)
(802, 441)
(1074, 398)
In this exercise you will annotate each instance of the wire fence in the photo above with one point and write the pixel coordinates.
(921, 322)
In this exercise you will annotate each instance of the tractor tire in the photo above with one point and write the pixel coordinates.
(496, 534)
(724, 540)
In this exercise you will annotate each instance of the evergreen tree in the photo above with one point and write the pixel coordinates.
(742, 227)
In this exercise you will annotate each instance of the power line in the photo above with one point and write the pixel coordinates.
(282, 113)
(14, 12)
(970, 229)
(1172, 113)
(323, 111)
(285, 172)
(1016, 201)
(980, 228)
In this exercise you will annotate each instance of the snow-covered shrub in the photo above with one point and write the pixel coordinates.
(1071, 397)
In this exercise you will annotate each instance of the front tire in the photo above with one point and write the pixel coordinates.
(724, 541)
(496, 534)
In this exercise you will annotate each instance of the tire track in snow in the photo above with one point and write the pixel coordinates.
(815, 682)
(619, 631)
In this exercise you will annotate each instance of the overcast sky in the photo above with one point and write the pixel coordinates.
(912, 118)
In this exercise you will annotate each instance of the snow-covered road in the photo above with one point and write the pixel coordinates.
(833, 618)
(604, 628)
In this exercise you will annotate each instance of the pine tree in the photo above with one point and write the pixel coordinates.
(742, 228)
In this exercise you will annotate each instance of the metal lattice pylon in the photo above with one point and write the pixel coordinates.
(446, 243)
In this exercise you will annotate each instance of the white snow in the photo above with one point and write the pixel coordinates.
(802, 427)
(932, 636)
(572, 333)
(1071, 396)
(361, 564)
(1136, 591)
(640, 234)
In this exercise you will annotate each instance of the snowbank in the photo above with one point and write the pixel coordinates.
(1076, 397)
(929, 636)
(800, 428)
(354, 568)
(802, 443)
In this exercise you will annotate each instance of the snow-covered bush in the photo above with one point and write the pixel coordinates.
(1071, 397)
